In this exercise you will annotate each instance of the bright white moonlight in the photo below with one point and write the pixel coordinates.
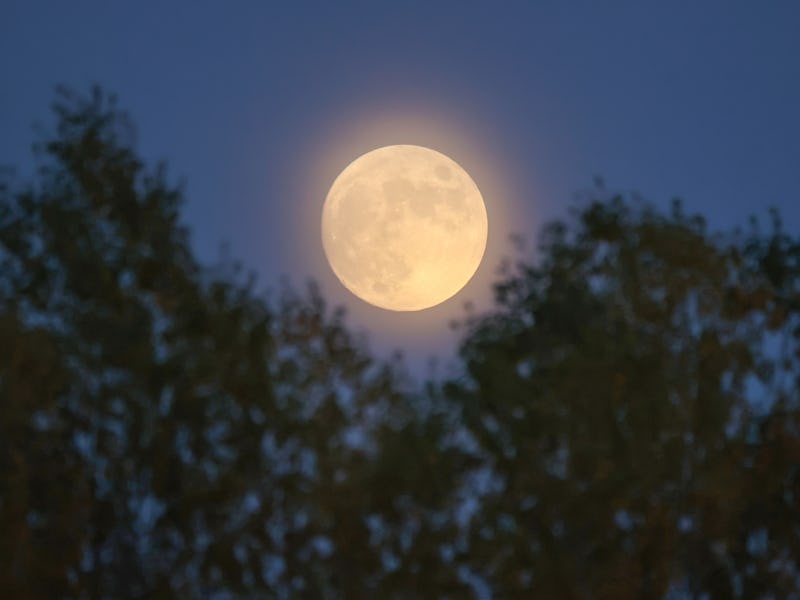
(404, 227)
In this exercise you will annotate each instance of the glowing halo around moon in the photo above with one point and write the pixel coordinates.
(404, 227)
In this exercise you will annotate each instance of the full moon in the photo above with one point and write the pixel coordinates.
(404, 227)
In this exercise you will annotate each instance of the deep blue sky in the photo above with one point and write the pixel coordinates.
(259, 105)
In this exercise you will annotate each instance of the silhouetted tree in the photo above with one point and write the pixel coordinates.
(626, 425)
(168, 433)
(638, 418)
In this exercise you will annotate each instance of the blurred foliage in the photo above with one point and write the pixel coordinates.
(635, 398)
(627, 424)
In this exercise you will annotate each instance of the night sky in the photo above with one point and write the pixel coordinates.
(257, 107)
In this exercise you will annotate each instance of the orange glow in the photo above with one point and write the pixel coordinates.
(476, 149)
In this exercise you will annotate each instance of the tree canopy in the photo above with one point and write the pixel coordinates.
(626, 423)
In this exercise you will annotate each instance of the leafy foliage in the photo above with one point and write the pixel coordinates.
(165, 431)
(624, 394)
(626, 425)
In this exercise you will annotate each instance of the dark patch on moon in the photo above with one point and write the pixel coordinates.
(397, 190)
(422, 202)
(443, 172)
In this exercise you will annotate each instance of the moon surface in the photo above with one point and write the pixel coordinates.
(404, 227)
